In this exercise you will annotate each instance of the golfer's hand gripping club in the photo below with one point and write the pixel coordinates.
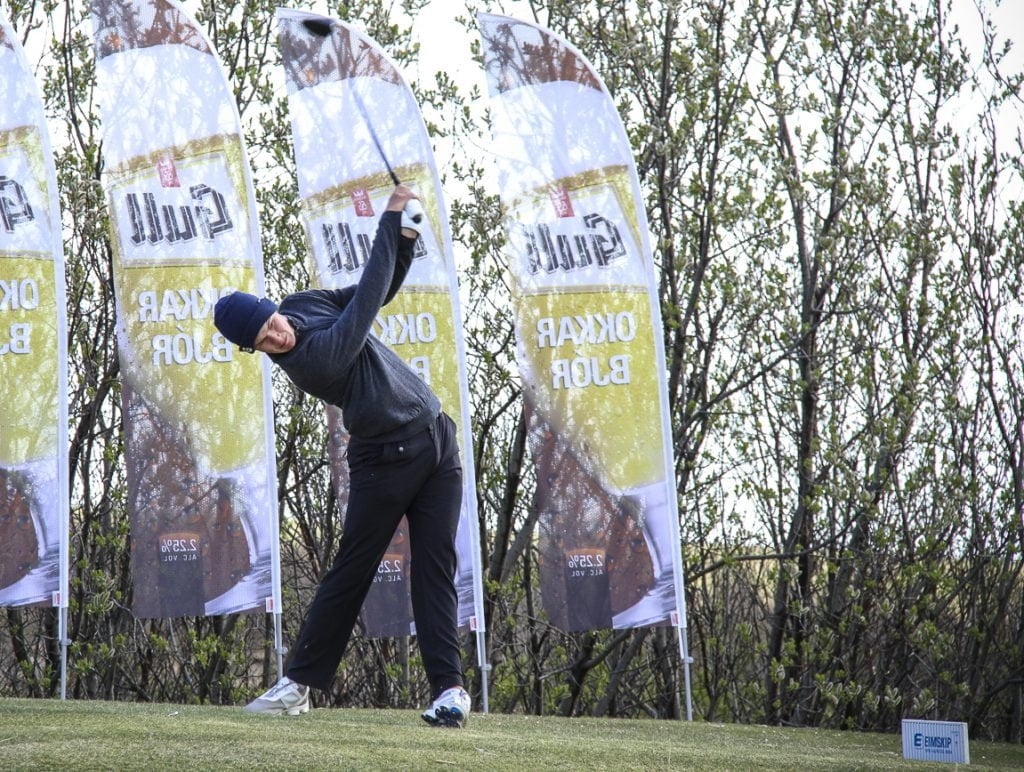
(412, 215)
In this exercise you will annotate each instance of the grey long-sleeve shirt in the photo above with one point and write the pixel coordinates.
(338, 360)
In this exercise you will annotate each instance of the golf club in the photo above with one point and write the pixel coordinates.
(414, 209)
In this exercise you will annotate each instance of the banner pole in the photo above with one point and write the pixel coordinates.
(485, 668)
(279, 649)
(62, 633)
(684, 655)
(683, 624)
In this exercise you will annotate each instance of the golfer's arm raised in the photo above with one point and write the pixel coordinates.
(378, 284)
(406, 244)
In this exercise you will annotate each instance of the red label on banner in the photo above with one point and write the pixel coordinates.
(361, 202)
(167, 172)
(561, 201)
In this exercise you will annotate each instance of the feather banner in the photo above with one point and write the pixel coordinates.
(588, 335)
(352, 117)
(33, 355)
(199, 440)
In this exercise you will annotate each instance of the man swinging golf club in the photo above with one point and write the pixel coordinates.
(402, 457)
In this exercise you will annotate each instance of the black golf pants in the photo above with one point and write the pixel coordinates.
(421, 478)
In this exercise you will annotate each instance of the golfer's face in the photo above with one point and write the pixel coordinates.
(276, 336)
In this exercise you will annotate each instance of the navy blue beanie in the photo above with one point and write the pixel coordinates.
(240, 316)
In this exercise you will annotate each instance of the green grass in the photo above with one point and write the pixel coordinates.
(49, 734)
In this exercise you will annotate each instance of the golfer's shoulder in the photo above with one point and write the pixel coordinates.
(312, 299)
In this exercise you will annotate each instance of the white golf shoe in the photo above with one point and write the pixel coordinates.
(286, 696)
(451, 708)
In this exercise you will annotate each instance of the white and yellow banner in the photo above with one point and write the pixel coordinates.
(588, 330)
(339, 86)
(33, 355)
(197, 412)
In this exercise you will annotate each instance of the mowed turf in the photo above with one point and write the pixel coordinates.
(49, 734)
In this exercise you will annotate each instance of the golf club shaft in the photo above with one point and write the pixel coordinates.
(322, 28)
(373, 134)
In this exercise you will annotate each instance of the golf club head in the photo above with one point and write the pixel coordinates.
(319, 27)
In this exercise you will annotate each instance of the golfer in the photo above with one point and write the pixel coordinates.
(402, 457)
